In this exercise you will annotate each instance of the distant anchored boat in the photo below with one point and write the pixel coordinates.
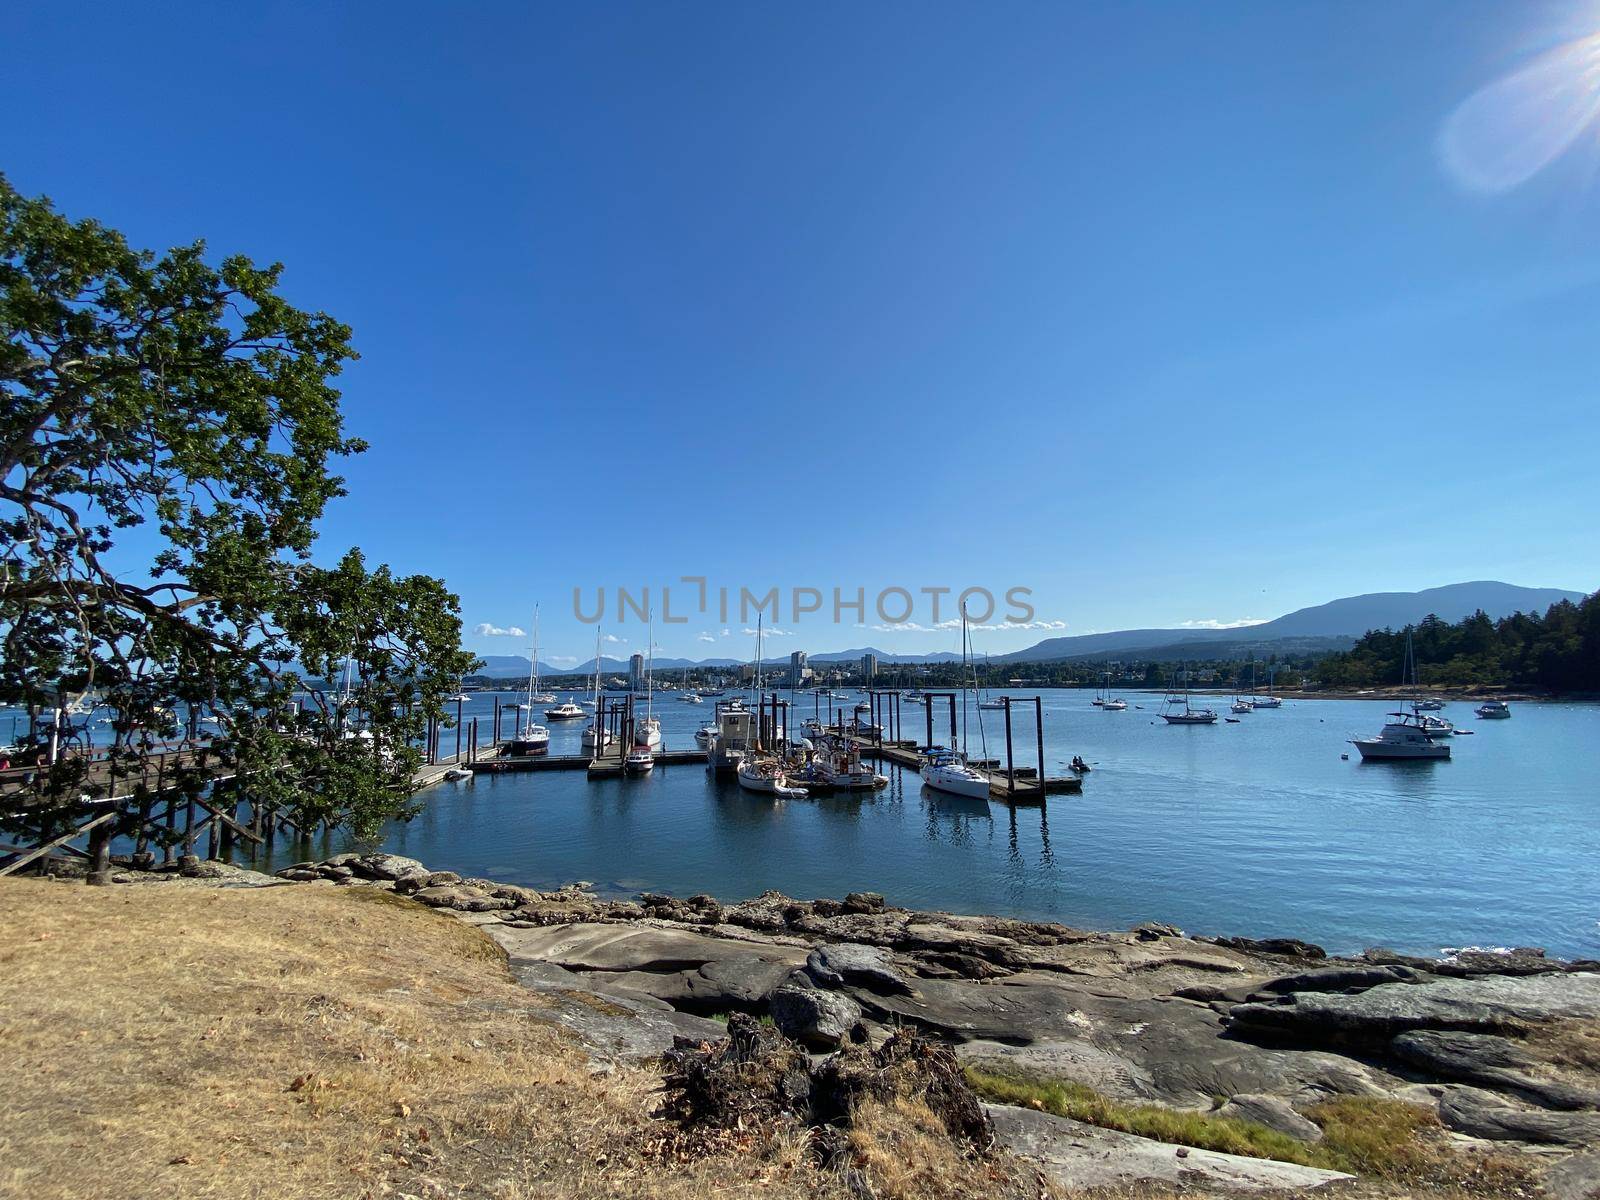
(1493, 710)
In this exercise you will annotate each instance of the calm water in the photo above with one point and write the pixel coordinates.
(1256, 828)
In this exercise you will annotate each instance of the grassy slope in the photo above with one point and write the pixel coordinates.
(306, 1042)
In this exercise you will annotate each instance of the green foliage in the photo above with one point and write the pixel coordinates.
(167, 438)
(1179, 1126)
(1361, 1135)
(1559, 651)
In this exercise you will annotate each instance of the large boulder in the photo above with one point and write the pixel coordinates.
(870, 967)
(820, 1020)
(384, 866)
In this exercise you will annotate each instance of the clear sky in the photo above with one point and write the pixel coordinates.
(1167, 312)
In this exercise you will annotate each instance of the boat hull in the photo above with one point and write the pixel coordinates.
(1376, 750)
(1189, 719)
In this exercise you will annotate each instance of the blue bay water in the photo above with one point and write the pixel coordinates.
(1258, 828)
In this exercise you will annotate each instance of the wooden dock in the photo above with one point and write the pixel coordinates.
(607, 763)
(1026, 790)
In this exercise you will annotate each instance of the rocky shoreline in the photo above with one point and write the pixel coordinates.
(1504, 1048)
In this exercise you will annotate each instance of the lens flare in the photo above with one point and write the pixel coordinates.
(1504, 134)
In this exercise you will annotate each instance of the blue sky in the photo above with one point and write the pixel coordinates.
(1166, 312)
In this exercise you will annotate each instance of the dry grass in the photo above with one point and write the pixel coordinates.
(307, 1042)
(905, 1150)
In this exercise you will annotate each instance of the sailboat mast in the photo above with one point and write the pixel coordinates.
(533, 662)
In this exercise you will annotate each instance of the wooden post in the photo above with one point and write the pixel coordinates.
(1038, 725)
(1011, 770)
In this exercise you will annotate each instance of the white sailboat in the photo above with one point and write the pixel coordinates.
(945, 769)
(535, 696)
(647, 733)
(594, 737)
(1269, 700)
(1108, 702)
(533, 739)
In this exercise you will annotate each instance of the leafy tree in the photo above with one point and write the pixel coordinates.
(166, 446)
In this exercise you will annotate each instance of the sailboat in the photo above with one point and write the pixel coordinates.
(535, 696)
(647, 733)
(758, 768)
(595, 737)
(986, 701)
(1189, 714)
(945, 769)
(1269, 700)
(1108, 702)
(1432, 726)
(533, 739)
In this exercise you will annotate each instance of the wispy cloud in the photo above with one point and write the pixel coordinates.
(1212, 623)
(614, 640)
(764, 632)
(488, 630)
(955, 623)
(705, 637)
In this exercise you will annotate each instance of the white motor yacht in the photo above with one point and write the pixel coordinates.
(1114, 705)
(1493, 710)
(639, 760)
(1403, 737)
(564, 712)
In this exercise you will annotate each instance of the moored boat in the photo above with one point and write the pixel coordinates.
(1403, 738)
(1493, 710)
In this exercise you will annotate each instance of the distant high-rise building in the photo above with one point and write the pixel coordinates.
(798, 671)
(636, 671)
(869, 666)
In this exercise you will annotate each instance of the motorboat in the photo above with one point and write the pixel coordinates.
(563, 712)
(947, 771)
(993, 703)
(839, 766)
(1493, 710)
(732, 736)
(1403, 737)
(690, 698)
(639, 760)
(1427, 705)
(704, 736)
(1114, 706)
(1258, 702)
(1434, 726)
(458, 698)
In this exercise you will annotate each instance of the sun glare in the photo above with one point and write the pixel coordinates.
(1507, 132)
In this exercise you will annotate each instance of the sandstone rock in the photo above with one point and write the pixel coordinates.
(821, 1020)
(1485, 1115)
(1493, 1062)
(384, 866)
(1281, 947)
(871, 967)
(1273, 1112)
(765, 912)
(1075, 1156)
(1342, 979)
(1151, 931)
(1083, 1062)
(588, 947)
(863, 902)
(1576, 1177)
(1486, 1004)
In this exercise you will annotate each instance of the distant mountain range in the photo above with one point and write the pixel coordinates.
(1323, 627)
